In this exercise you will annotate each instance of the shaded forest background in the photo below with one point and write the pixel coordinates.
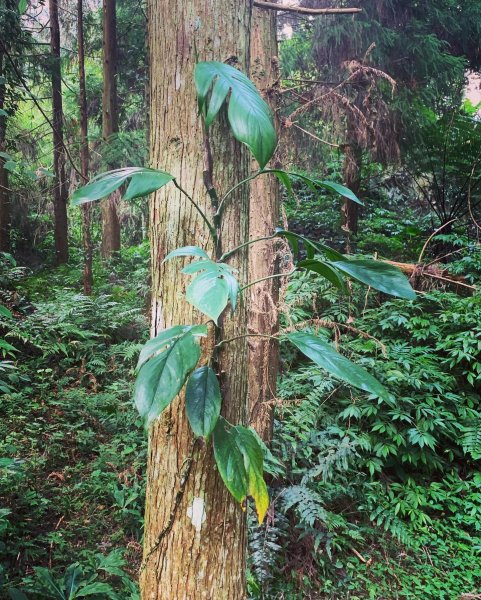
(370, 499)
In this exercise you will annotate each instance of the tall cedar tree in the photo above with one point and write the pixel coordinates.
(110, 218)
(182, 560)
(60, 191)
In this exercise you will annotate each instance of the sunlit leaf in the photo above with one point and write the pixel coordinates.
(187, 251)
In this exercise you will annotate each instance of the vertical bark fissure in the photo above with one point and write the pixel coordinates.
(60, 192)
(110, 218)
(210, 563)
(263, 256)
(84, 153)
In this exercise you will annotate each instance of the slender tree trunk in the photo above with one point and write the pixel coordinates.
(181, 563)
(352, 179)
(4, 191)
(110, 219)
(60, 193)
(84, 152)
(263, 256)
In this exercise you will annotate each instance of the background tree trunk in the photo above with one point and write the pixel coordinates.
(110, 219)
(84, 152)
(263, 256)
(181, 563)
(60, 192)
(352, 179)
(4, 192)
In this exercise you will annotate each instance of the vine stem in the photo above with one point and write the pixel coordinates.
(234, 188)
(250, 284)
(234, 250)
(212, 230)
(246, 335)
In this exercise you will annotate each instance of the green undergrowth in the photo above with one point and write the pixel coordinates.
(72, 449)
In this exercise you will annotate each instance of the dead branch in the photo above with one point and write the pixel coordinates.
(306, 11)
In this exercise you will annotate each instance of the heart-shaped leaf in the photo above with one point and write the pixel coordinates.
(203, 401)
(249, 116)
(325, 356)
(209, 293)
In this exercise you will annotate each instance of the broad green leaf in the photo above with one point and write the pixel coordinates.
(10, 165)
(311, 247)
(4, 312)
(16, 594)
(324, 269)
(22, 6)
(3, 113)
(240, 461)
(342, 190)
(162, 377)
(200, 265)
(203, 401)
(187, 251)
(249, 116)
(254, 464)
(286, 177)
(229, 460)
(5, 156)
(325, 356)
(145, 182)
(378, 274)
(164, 338)
(221, 270)
(209, 293)
(97, 588)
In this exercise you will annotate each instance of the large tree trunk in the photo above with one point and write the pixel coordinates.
(263, 256)
(181, 563)
(84, 152)
(4, 192)
(60, 192)
(352, 180)
(110, 219)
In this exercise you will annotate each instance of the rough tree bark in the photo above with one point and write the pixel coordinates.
(263, 256)
(84, 152)
(181, 563)
(4, 192)
(110, 218)
(60, 192)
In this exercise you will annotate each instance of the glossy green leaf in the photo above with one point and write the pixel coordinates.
(187, 251)
(249, 116)
(240, 461)
(203, 401)
(209, 293)
(342, 190)
(325, 270)
(378, 274)
(162, 377)
(144, 181)
(327, 357)
(166, 337)
(4, 312)
(229, 460)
